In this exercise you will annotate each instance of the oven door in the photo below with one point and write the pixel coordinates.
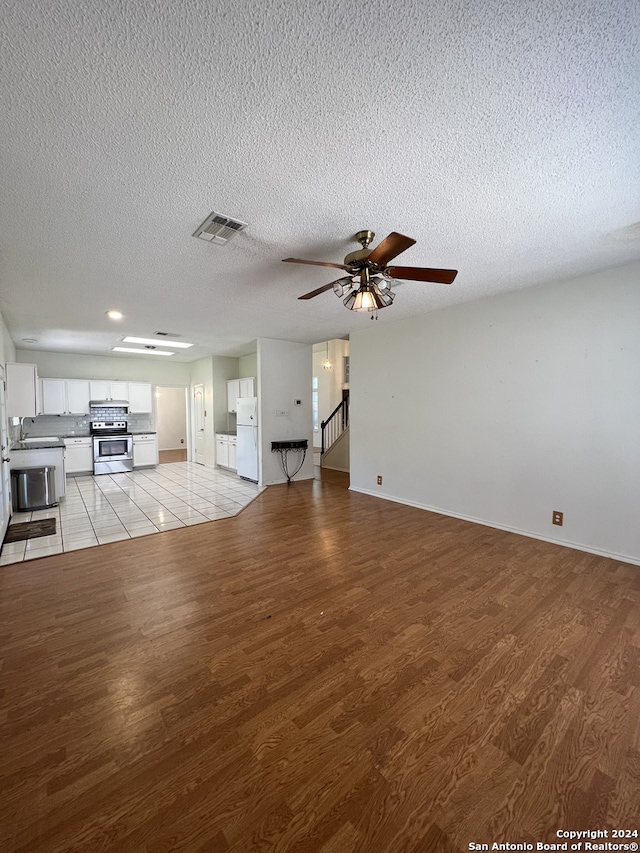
(112, 454)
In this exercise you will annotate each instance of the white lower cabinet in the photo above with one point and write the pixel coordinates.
(226, 447)
(222, 450)
(78, 455)
(145, 450)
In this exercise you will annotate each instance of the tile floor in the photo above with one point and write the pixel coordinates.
(110, 507)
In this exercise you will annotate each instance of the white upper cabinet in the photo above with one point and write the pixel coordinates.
(78, 396)
(65, 396)
(104, 389)
(100, 389)
(119, 391)
(245, 387)
(233, 392)
(72, 396)
(140, 397)
(23, 395)
(54, 396)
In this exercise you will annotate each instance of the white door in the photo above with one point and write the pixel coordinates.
(198, 422)
(5, 490)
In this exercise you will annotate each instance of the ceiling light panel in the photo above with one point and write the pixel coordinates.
(153, 341)
(142, 351)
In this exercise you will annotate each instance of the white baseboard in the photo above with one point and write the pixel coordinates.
(296, 479)
(623, 558)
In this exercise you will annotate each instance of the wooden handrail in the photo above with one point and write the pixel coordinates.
(335, 424)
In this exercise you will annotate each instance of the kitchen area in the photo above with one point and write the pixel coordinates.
(85, 454)
(51, 425)
(74, 427)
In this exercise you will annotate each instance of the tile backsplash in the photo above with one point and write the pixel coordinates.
(47, 425)
(141, 422)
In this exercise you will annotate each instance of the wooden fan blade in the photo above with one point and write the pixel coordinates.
(315, 263)
(390, 248)
(317, 291)
(423, 274)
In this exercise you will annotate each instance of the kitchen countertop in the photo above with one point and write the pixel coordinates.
(45, 444)
(59, 441)
(227, 433)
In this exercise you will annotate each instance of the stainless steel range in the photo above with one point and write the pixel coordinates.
(112, 441)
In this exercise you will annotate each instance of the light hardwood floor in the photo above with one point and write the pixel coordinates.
(165, 456)
(323, 672)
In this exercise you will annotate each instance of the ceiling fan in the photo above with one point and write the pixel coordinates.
(368, 283)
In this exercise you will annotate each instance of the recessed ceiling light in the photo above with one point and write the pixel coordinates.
(143, 351)
(115, 315)
(152, 341)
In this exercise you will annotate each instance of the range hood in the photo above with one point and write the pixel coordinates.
(108, 404)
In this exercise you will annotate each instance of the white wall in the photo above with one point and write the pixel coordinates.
(7, 348)
(224, 368)
(71, 366)
(247, 366)
(506, 409)
(284, 375)
(171, 417)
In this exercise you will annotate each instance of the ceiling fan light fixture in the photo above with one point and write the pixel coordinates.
(363, 299)
(341, 285)
(369, 297)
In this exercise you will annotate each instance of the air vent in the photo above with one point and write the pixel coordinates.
(218, 228)
(168, 334)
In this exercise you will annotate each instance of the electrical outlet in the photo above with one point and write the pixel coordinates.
(379, 479)
(557, 517)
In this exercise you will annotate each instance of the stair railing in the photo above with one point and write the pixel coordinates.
(335, 424)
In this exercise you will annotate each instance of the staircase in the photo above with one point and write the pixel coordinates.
(335, 438)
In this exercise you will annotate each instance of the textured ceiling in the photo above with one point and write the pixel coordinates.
(502, 136)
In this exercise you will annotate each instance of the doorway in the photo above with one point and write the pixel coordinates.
(198, 424)
(171, 423)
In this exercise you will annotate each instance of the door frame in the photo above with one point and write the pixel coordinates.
(187, 413)
(192, 454)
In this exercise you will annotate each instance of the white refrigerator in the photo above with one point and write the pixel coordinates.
(247, 428)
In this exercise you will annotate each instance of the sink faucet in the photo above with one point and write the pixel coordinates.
(23, 434)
